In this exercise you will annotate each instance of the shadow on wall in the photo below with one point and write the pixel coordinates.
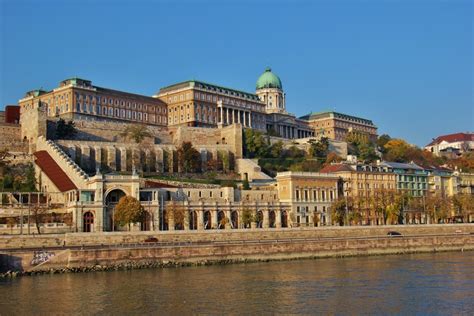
(10, 263)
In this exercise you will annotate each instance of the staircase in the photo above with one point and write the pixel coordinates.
(250, 169)
(70, 168)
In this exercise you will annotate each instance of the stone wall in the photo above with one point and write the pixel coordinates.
(272, 246)
(10, 138)
(78, 239)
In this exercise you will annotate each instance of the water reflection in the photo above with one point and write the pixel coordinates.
(411, 284)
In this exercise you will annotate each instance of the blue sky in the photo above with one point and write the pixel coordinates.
(407, 65)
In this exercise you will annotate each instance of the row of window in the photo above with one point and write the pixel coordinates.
(323, 195)
(118, 113)
(98, 100)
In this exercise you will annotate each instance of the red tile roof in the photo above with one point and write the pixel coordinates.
(53, 171)
(451, 138)
(336, 168)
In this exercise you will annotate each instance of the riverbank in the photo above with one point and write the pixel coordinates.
(115, 251)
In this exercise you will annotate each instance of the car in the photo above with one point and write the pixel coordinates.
(151, 239)
(394, 233)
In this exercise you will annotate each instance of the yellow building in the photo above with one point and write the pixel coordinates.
(363, 182)
(336, 125)
(78, 99)
(310, 196)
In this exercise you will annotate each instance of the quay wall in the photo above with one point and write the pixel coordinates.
(111, 238)
(263, 246)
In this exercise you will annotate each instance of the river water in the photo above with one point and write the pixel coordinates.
(435, 284)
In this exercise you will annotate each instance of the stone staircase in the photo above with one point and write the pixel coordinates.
(77, 175)
(250, 169)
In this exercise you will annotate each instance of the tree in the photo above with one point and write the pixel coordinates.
(65, 130)
(463, 205)
(39, 211)
(396, 150)
(381, 141)
(11, 222)
(247, 217)
(255, 144)
(189, 159)
(128, 210)
(338, 211)
(176, 213)
(245, 185)
(136, 132)
(319, 148)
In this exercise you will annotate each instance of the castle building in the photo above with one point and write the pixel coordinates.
(453, 143)
(336, 125)
(78, 99)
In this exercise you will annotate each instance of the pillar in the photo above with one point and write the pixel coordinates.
(159, 160)
(222, 115)
(86, 155)
(111, 158)
(200, 219)
(266, 215)
(250, 119)
(278, 218)
(227, 116)
(214, 223)
(98, 158)
(123, 159)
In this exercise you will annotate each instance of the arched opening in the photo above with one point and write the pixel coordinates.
(88, 222)
(221, 220)
(272, 219)
(234, 219)
(145, 224)
(193, 220)
(207, 220)
(111, 200)
(284, 219)
(259, 219)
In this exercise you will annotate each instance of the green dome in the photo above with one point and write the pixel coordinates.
(269, 80)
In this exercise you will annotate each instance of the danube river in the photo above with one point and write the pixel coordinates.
(440, 283)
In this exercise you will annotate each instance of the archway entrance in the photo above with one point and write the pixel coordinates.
(271, 219)
(207, 220)
(234, 219)
(284, 219)
(221, 220)
(259, 219)
(193, 220)
(111, 200)
(88, 222)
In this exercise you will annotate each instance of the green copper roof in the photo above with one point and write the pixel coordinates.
(269, 80)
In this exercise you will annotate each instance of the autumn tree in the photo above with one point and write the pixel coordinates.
(247, 217)
(189, 159)
(318, 148)
(39, 212)
(176, 214)
(463, 205)
(437, 207)
(128, 210)
(338, 211)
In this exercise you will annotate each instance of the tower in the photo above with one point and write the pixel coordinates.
(270, 91)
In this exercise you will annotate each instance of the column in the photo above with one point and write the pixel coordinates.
(250, 119)
(123, 159)
(111, 159)
(278, 218)
(214, 223)
(227, 115)
(86, 155)
(98, 158)
(200, 220)
(238, 116)
(245, 118)
(227, 214)
(159, 160)
(222, 115)
(266, 214)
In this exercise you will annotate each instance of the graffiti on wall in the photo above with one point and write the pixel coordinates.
(41, 256)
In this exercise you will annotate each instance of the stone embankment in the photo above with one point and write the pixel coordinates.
(112, 251)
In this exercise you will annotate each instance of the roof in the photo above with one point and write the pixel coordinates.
(53, 171)
(336, 168)
(452, 138)
(209, 86)
(327, 114)
(400, 165)
(269, 80)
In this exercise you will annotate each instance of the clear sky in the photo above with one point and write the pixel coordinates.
(406, 65)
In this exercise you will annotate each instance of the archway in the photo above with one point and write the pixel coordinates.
(193, 220)
(272, 219)
(207, 220)
(284, 219)
(88, 222)
(111, 200)
(259, 219)
(145, 224)
(221, 220)
(234, 219)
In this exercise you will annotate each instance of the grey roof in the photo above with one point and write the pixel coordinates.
(400, 165)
